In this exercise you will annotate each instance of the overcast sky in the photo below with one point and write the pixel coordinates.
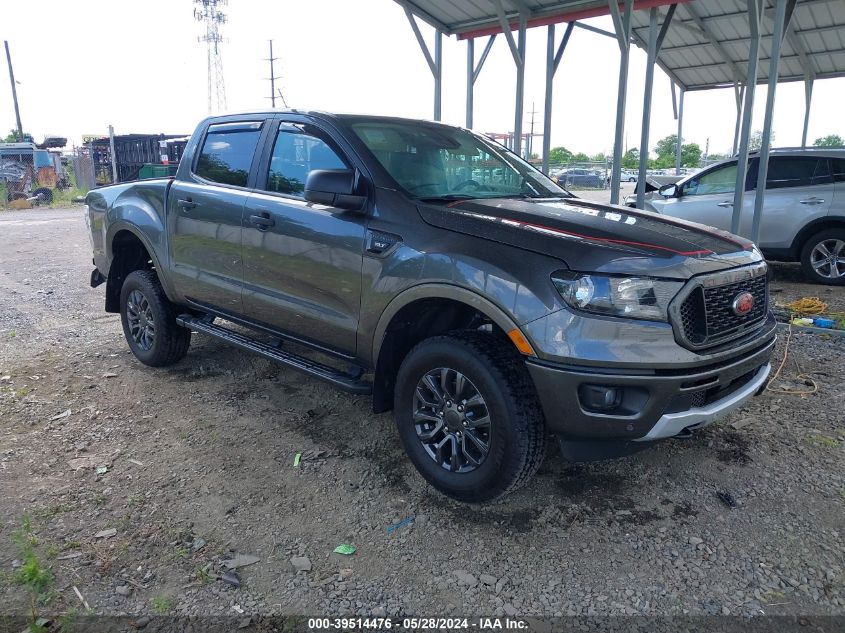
(85, 64)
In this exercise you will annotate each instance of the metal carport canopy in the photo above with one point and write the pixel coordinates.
(700, 44)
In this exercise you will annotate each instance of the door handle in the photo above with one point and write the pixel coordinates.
(262, 221)
(812, 200)
(725, 204)
(187, 204)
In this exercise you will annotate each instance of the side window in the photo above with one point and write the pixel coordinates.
(796, 171)
(838, 168)
(227, 153)
(720, 180)
(295, 154)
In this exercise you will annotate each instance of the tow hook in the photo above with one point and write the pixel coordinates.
(685, 434)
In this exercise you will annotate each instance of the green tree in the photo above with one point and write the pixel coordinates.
(599, 158)
(631, 158)
(831, 140)
(559, 156)
(12, 137)
(580, 157)
(666, 149)
(690, 155)
(755, 141)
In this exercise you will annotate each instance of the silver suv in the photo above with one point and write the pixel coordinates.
(803, 214)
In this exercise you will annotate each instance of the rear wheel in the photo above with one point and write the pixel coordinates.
(823, 257)
(468, 416)
(149, 321)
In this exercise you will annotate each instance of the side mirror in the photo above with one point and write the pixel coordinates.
(334, 188)
(669, 191)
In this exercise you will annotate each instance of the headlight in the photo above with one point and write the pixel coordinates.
(633, 297)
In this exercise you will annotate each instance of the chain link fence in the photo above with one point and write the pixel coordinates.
(83, 169)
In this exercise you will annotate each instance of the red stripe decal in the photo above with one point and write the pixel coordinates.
(613, 241)
(608, 240)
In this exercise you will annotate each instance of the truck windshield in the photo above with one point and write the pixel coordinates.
(432, 161)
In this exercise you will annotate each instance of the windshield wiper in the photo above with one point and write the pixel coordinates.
(448, 197)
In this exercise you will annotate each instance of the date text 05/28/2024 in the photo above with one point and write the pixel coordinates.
(416, 624)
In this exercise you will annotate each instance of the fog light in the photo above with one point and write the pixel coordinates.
(599, 397)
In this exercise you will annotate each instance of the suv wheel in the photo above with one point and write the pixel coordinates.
(468, 416)
(149, 321)
(823, 257)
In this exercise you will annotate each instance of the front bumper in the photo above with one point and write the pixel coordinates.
(653, 403)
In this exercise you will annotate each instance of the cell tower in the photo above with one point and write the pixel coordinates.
(208, 12)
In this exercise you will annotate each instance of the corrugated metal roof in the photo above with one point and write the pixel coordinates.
(707, 43)
(706, 46)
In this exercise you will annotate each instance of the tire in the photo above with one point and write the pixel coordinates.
(813, 262)
(515, 430)
(44, 194)
(143, 302)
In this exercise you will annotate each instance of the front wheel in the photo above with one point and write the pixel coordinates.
(468, 416)
(823, 257)
(149, 321)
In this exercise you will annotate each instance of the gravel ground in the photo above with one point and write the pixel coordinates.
(199, 469)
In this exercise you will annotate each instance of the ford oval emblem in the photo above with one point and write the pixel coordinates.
(743, 303)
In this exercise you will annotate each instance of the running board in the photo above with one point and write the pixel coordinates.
(341, 380)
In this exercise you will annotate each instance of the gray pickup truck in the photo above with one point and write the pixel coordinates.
(433, 269)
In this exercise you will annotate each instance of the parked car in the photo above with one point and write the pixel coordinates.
(803, 213)
(362, 251)
(584, 178)
(629, 176)
(652, 186)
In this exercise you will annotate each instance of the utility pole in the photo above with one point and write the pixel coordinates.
(273, 77)
(14, 92)
(530, 142)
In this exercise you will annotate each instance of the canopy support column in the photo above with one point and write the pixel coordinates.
(552, 62)
(679, 146)
(473, 71)
(808, 100)
(622, 24)
(755, 10)
(518, 52)
(781, 19)
(655, 41)
(435, 64)
(739, 92)
(438, 73)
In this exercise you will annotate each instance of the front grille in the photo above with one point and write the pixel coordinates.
(706, 315)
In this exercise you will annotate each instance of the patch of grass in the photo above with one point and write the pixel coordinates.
(100, 499)
(69, 545)
(827, 442)
(53, 510)
(65, 198)
(161, 605)
(204, 576)
(13, 333)
(183, 552)
(772, 595)
(32, 574)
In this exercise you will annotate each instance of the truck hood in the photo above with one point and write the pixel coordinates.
(593, 237)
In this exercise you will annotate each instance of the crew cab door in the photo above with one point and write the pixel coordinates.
(302, 261)
(799, 189)
(205, 211)
(708, 197)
